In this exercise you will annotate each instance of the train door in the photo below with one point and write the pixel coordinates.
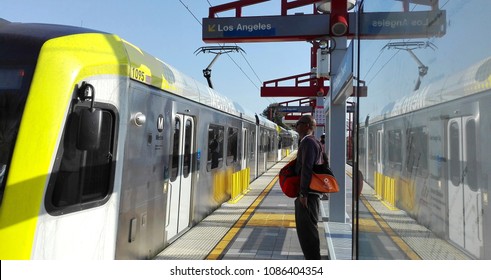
(179, 193)
(464, 195)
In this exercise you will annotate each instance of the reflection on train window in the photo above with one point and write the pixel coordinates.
(261, 140)
(187, 148)
(395, 146)
(14, 84)
(454, 153)
(470, 169)
(417, 150)
(245, 145)
(371, 148)
(175, 150)
(232, 145)
(252, 148)
(215, 147)
(361, 144)
(83, 179)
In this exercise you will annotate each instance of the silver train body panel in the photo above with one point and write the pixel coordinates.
(432, 146)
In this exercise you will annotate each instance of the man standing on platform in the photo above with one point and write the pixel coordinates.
(307, 202)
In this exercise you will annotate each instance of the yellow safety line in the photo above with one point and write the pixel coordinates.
(410, 253)
(272, 220)
(239, 224)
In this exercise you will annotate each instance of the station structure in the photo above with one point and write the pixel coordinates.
(328, 29)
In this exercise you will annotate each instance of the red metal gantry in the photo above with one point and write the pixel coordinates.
(338, 26)
(272, 88)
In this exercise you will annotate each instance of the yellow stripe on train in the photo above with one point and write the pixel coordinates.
(51, 91)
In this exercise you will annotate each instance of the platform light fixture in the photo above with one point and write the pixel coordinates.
(325, 5)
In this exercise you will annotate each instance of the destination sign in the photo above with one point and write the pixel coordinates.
(401, 25)
(377, 25)
(265, 28)
(294, 109)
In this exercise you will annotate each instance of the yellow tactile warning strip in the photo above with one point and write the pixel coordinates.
(225, 241)
(272, 220)
(368, 225)
(411, 254)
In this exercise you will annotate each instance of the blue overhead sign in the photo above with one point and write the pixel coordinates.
(265, 28)
(376, 25)
(294, 109)
(400, 25)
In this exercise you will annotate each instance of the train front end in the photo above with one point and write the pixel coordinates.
(42, 68)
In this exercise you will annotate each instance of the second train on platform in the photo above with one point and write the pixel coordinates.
(428, 155)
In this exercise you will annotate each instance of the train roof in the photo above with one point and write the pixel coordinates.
(164, 76)
(157, 73)
(288, 131)
(473, 80)
(267, 123)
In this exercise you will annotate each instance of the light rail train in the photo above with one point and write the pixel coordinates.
(106, 152)
(428, 155)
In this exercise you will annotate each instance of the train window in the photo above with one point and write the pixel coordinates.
(14, 85)
(417, 150)
(454, 153)
(371, 147)
(83, 177)
(361, 142)
(232, 145)
(252, 143)
(245, 145)
(175, 150)
(187, 148)
(261, 142)
(470, 170)
(215, 147)
(395, 146)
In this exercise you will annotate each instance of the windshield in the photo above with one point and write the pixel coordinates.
(13, 94)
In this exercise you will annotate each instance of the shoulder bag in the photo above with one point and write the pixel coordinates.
(323, 180)
(289, 180)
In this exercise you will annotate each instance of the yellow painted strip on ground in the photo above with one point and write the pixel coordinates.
(410, 253)
(239, 224)
(368, 225)
(272, 220)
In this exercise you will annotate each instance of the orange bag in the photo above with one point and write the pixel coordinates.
(324, 183)
(323, 179)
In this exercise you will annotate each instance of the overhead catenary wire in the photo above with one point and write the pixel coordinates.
(387, 62)
(231, 58)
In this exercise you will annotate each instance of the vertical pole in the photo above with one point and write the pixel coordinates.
(337, 138)
(405, 5)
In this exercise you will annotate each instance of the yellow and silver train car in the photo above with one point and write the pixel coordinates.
(428, 154)
(109, 153)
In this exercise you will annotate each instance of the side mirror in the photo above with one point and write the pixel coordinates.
(89, 129)
(90, 122)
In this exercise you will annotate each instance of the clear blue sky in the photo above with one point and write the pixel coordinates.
(171, 31)
(167, 30)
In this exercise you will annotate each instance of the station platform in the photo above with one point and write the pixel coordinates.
(260, 226)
